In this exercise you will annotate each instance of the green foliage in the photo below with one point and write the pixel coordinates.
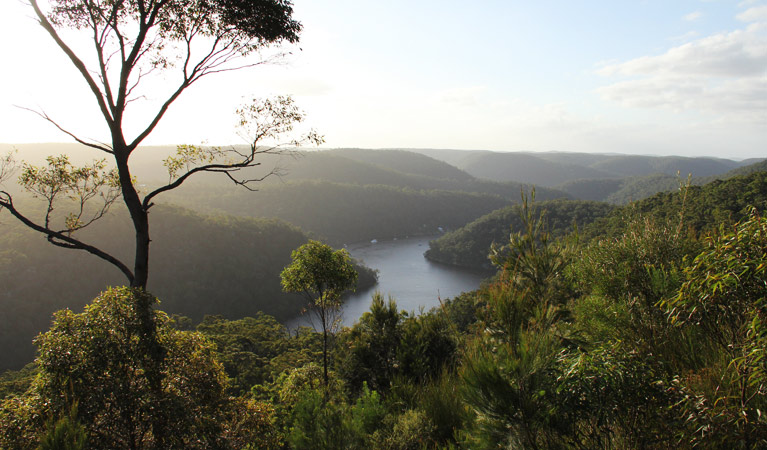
(510, 385)
(98, 359)
(80, 186)
(469, 246)
(314, 409)
(428, 345)
(253, 350)
(317, 423)
(639, 267)
(249, 424)
(411, 430)
(322, 275)
(443, 405)
(373, 344)
(612, 396)
(725, 295)
(65, 434)
(510, 370)
(15, 382)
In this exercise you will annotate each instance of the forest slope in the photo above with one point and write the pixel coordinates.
(348, 213)
(200, 265)
(469, 246)
(704, 208)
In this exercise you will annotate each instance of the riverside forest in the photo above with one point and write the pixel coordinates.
(600, 324)
(147, 290)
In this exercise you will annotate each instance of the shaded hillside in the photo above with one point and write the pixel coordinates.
(526, 168)
(620, 191)
(637, 188)
(753, 166)
(560, 169)
(592, 189)
(347, 213)
(704, 208)
(469, 246)
(200, 265)
(395, 168)
(638, 165)
(404, 161)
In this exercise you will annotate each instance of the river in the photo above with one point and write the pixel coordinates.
(405, 275)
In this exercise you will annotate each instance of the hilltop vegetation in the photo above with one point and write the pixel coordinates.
(553, 169)
(620, 191)
(704, 209)
(469, 246)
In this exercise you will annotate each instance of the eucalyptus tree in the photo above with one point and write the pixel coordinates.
(322, 275)
(131, 40)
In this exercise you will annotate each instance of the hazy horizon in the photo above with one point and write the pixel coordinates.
(686, 78)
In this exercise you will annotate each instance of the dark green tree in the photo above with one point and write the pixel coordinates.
(97, 360)
(373, 344)
(65, 434)
(322, 275)
(510, 370)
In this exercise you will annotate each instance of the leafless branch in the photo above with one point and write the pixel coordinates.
(76, 61)
(101, 146)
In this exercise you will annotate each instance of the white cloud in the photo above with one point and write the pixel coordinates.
(724, 74)
(739, 53)
(755, 14)
(693, 16)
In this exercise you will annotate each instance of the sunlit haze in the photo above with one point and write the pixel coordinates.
(657, 77)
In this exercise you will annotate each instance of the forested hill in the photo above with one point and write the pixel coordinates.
(397, 168)
(620, 191)
(555, 168)
(350, 195)
(200, 265)
(469, 246)
(345, 213)
(404, 161)
(704, 208)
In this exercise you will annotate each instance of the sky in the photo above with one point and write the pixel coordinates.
(658, 77)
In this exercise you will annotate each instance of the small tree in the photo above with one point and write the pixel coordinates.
(322, 275)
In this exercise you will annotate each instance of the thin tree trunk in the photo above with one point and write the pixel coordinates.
(148, 340)
(139, 217)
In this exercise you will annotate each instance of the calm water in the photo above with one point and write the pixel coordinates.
(407, 276)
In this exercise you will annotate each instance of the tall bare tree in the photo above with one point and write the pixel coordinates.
(129, 40)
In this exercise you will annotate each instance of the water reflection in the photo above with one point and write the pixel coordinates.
(407, 276)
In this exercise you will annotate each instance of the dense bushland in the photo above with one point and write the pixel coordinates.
(649, 335)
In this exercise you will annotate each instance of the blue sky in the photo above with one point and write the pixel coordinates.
(684, 77)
